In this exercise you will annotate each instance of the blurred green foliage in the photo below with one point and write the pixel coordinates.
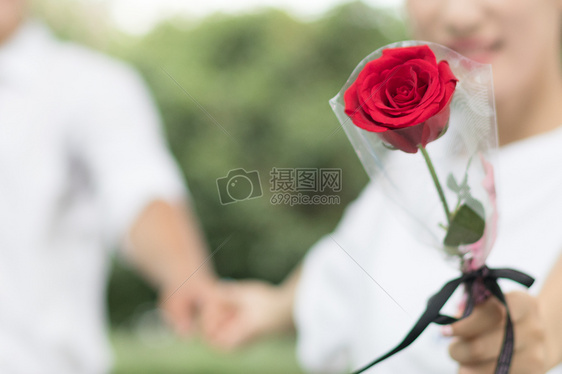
(248, 91)
(169, 355)
(252, 92)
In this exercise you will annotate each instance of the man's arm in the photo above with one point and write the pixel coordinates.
(168, 248)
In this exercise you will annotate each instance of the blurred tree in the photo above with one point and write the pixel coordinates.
(252, 92)
(266, 79)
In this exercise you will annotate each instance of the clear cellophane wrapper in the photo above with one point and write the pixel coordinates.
(463, 158)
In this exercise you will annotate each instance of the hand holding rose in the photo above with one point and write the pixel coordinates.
(479, 337)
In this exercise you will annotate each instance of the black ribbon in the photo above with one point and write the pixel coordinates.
(488, 278)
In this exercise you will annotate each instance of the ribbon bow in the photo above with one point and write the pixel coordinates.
(489, 279)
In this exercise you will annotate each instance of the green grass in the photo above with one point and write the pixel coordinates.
(167, 355)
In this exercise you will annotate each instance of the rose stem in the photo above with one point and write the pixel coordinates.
(436, 182)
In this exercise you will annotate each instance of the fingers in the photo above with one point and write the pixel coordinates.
(232, 336)
(478, 338)
(491, 315)
(487, 347)
(520, 304)
(180, 307)
(219, 310)
(216, 312)
(485, 368)
(485, 317)
(224, 317)
(178, 315)
(476, 350)
(532, 363)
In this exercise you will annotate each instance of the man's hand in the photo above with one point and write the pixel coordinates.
(479, 337)
(181, 301)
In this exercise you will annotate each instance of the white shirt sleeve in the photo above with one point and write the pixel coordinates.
(324, 308)
(123, 145)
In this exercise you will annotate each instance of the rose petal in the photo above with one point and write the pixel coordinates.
(416, 66)
(448, 82)
(404, 139)
(422, 52)
(434, 126)
(354, 110)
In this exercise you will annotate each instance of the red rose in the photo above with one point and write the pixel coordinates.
(404, 96)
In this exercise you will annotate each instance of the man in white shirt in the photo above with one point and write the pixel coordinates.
(83, 168)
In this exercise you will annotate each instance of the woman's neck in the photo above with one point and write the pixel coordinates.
(538, 111)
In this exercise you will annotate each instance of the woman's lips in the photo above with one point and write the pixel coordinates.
(477, 50)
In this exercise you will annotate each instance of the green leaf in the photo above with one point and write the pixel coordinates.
(467, 225)
(452, 183)
(475, 205)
